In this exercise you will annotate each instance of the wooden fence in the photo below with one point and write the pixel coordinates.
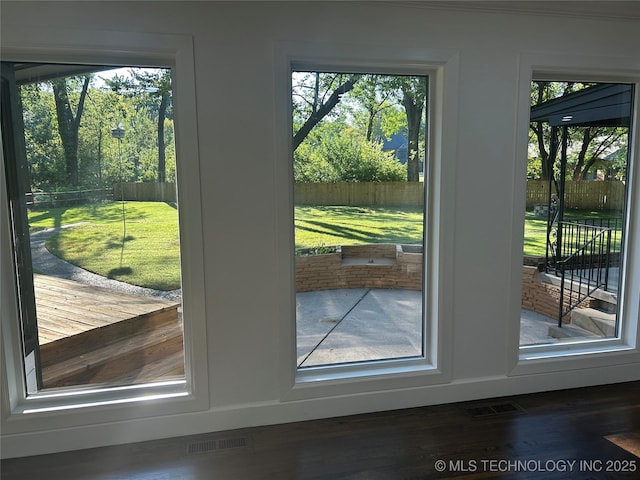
(360, 193)
(37, 200)
(145, 191)
(594, 195)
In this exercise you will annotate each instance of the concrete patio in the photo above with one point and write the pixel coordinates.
(360, 324)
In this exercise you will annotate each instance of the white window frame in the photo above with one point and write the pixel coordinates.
(86, 405)
(442, 68)
(625, 348)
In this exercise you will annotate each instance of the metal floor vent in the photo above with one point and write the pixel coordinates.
(497, 409)
(216, 445)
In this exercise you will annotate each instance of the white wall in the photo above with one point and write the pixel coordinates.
(234, 47)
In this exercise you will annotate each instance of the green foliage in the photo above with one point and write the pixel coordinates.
(131, 100)
(321, 249)
(376, 106)
(534, 168)
(340, 154)
(43, 144)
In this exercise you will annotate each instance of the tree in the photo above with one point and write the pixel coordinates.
(82, 115)
(414, 99)
(158, 85)
(540, 92)
(336, 152)
(326, 95)
(42, 140)
(587, 144)
(69, 123)
(372, 93)
(155, 84)
(594, 144)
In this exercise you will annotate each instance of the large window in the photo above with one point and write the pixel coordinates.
(359, 156)
(575, 238)
(90, 172)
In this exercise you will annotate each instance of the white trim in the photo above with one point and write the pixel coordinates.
(85, 406)
(442, 67)
(587, 354)
(44, 440)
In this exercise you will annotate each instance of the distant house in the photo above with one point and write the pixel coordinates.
(397, 144)
(615, 163)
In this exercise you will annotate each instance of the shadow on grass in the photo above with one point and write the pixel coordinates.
(391, 234)
(118, 272)
(118, 244)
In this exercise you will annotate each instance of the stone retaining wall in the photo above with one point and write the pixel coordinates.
(542, 297)
(361, 266)
(400, 266)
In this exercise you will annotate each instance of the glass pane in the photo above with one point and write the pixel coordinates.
(574, 222)
(102, 216)
(359, 155)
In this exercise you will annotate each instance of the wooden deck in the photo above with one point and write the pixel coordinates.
(93, 335)
(67, 308)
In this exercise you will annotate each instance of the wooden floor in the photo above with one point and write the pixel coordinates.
(587, 433)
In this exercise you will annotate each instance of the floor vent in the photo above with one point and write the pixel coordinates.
(497, 409)
(216, 445)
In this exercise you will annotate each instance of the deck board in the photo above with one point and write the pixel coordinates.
(65, 308)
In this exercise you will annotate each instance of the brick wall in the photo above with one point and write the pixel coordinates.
(334, 270)
(537, 296)
(390, 267)
(542, 297)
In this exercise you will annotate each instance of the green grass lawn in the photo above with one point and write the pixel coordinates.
(535, 229)
(344, 225)
(150, 255)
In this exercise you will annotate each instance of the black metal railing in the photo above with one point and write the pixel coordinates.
(614, 224)
(586, 268)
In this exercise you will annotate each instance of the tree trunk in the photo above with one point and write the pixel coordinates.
(544, 154)
(546, 162)
(372, 116)
(69, 125)
(580, 173)
(162, 164)
(323, 110)
(413, 110)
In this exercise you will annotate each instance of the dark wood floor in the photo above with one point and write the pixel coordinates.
(566, 434)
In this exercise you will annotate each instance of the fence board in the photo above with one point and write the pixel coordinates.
(360, 193)
(145, 191)
(594, 195)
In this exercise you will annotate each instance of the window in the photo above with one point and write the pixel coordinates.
(90, 171)
(577, 214)
(360, 146)
(174, 390)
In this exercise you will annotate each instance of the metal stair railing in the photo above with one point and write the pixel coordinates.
(587, 268)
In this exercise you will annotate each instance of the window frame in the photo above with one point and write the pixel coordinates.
(589, 353)
(89, 404)
(434, 367)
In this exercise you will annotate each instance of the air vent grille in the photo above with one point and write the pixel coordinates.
(216, 445)
(494, 409)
